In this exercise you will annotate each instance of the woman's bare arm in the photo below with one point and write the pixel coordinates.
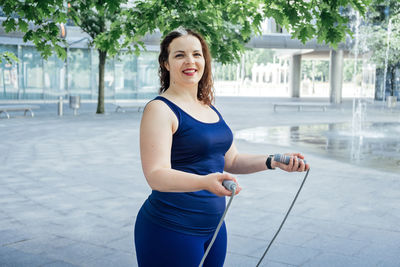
(238, 163)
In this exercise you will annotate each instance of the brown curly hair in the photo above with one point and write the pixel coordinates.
(205, 87)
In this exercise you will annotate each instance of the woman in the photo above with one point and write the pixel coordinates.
(185, 146)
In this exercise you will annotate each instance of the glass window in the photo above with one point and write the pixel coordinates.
(148, 81)
(32, 68)
(79, 73)
(126, 77)
(9, 75)
(54, 78)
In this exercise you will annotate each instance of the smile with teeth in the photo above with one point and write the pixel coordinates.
(189, 71)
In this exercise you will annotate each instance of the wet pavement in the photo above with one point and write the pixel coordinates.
(71, 186)
(376, 145)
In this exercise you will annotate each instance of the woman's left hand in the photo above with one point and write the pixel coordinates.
(296, 163)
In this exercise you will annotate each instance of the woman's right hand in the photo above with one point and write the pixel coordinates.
(213, 183)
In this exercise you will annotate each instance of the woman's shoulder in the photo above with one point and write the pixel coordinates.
(158, 114)
(158, 108)
(156, 105)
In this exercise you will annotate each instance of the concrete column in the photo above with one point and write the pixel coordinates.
(295, 71)
(93, 83)
(66, 82)
(20, 73)
(336, 76)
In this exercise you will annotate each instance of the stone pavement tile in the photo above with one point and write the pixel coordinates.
(15, 185)
(80, 190)
(243, 245)
(93, 196)
(372, 219)
(278, 202)
(11, 236)
(393, 217)
(122, 214)
(68, 207)
(43, 227)
(18, 206)
(31, 213)
(343, 246)
(346, 215)
(41, 244)
(78, 253)
(382, 248)
(380, 237)
(327, 259)
(117, 259)
(288, 254)
(266, 228)
(57, 263)
(125, 244)
(10, 257)
(30, 192)
(94, 234)
(7, 192)
(7, 223)
(235, 260)
(51, 200)
(381, 254)
(114, 204)
(294, 238)
(11, 200)
(248, 223)
(319, 226)
(239, 260)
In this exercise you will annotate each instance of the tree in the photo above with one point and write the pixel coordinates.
(114, 25)
(381, 35)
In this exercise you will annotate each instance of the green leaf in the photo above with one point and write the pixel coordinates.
(60, 51)
(23, 26)
(9, 57)
(9, 25)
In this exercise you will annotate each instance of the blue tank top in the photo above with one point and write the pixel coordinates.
(199, 148)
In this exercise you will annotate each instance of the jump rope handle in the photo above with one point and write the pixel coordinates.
(229, 184)
(285, 159)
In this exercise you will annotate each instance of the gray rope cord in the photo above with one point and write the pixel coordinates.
(287, 214)
(218, 227)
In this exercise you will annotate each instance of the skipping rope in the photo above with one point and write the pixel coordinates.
(231, 186)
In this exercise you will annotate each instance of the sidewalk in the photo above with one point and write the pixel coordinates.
(70, 188)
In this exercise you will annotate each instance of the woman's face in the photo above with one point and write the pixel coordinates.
(185, 61)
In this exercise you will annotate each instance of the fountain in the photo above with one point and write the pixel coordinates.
(359, 107)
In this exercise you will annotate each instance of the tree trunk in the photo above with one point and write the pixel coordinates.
(102, 65)
(392, 80)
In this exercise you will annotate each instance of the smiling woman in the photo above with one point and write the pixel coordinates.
(191, 49)
(185, 148)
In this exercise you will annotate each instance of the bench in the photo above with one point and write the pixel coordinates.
(7, 108)
(139, 104)
(301, 105)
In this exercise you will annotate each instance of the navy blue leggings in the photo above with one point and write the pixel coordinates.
(158, 246)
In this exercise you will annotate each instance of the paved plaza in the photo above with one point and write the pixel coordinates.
(71, 186)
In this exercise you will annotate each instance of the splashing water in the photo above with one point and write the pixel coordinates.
(359, 108)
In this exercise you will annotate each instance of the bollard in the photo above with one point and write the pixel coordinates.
(391, 101)
(75, 103)
(60, 106)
